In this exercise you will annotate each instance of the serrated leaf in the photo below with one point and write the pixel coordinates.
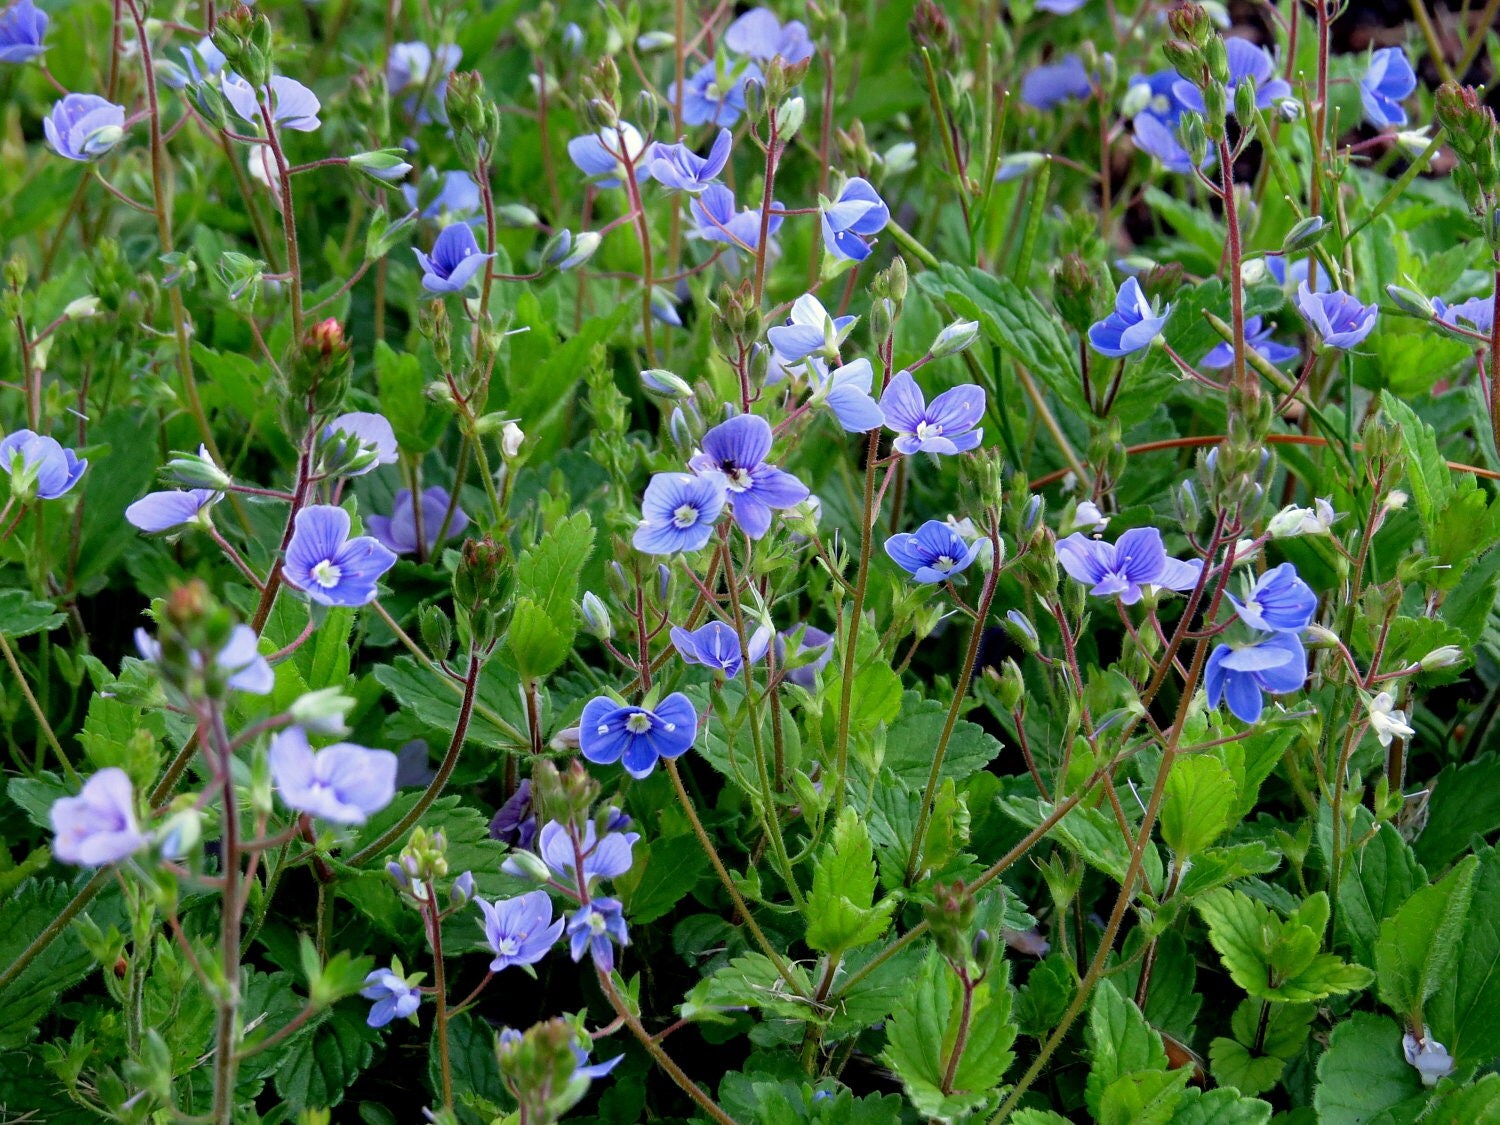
(1464, 1012)
(497, 720)
(533, 641)
(1418, 943)
(1232, 1064)
(1380, 876)
(665, 871)
(841, 910)
(1465, 803)
(1220, 1107)
(21, 615)
(1275, 959)
(1196, 805)
(1144, 1097)
(62, 964)
(320, 1067)
(911, 739)
(1120, 1043)
(1363, 1076)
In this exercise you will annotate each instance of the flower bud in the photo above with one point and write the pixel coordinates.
(1254, 271)
(1244, 100)
(1448, 656)
(462, 889)
(528, 866)
(955, 338)
(565, 251)
(384, 165)
(652, 41)
(323, 711)
(664, 384)
(596, 616)
(789, 117)
(1191, 22)
(1137, 98)
(1304, 235)
(1012, 686)
(81, 309)
(1022, 631)
(1289, 110)
(196, 471)
(511, 438)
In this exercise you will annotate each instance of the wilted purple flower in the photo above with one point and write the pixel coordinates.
(519, 930)
(342, 783)
(851, 220)
(1121, 568)
(514, 822)
(945, 425)
(38, 466)
(594, 927)
(359, 442)
(679, 511)
(23, 27)
(398, 531)
(1257, 339)
(738, 449)
(84, 126)
(759, 34)
(1279, 602)
(162, 511)
(1388, 82)
(602, 154)
(1337, 317)
(458, 197)
(809, 329)
(239, 661)
(718, 646)
(711, 98)
(1132, 326)
(329, 567)
(1477, 314)
(1046, 86)
(610, 732)
(394, 996)
(1246, 61)
(455, 260)
(410, 67)
(97, 827)
(1237, 674)
(846, 391)
(812, 640)
(292, 105)
(717, 220)
(680, 168)
(933, 553)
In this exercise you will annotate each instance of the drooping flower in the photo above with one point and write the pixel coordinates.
(679, 511)
(454, 261)
(1238, 674)
(759, 34)
(1246, 61)
(97, 827)
(38, 466)
(1477, 314)
(1046, 86)
(1121, 569)
(945, 425)
(411, 68)
(358, 443)
(395, 996)
(239, 661)
(84, 126)
(1132, 326)
(1388, 82)
(1429, 1057)
(934, 553)
(519, 930)
(1337, 317)
(681, 169)
(1279, 602)
(846, 392)
(851, 220)
(291, 104)
(1293, 521)
(514, 822)
(398, 531)
(737, 449)
(610, 732)
(602, 155)
(710, 97)
(596, 928)
(1386, 720)
(1257, 339)
(810, 329)
(342, 783)
(23, 27)
(811, 640)
(163, 511)
(717, 220)
(717, 645)
(329, 567)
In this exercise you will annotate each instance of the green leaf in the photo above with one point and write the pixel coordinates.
(1144, 1097)
(62, 964)
(1380, 877)
(497, 721)
(1427, 470)
(1120, 1043)
(1232, 1064)
(1196, 804)
(911, 739)
(320, 1067)
(1465, 803)
(1363, 1077)
(841, 914)
(402, 397)
(536, 646)
(549, 573)
(1417, 945)
(1272, 959)
(665, 871)
(1220, 1107)
(749, 981)
(21, 615)
(1464, 1013)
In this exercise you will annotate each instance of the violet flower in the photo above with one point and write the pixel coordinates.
(97, 827)
(1046, 86)
(84, 126)
(1122, 569)
(520, 930)
(717, 220)
(23, 27)
(853, 219)
(811, 640)
(602, 155)
(395, 997)
(712, 98)
(1257, 339)
(681, 169)
(329, 567)
(163, 511)
(38, 466)
(596, 928)
(737, 449)
(934, 553)
(1132, 325)
(946, 425)
(717, 645)
(342, 783)
(398, 531)
(239, 661)
(1238, 674)
(1279, 602)
(291, 104)
(759, 34)
(1388, 82)
(1338, 318)
(454, 261)
(1246, 61)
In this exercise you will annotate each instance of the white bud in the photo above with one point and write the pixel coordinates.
(81, 309)
(1448, 656)
(955, 338)
(323, 711)
(790, 116)
(511, 438)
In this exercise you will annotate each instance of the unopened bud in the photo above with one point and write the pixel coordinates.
(1449, 656)
(1304, 235)
(955, 338)
(596, 616)
(665, 384)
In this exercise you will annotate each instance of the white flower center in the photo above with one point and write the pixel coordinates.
(507, 947)
(327, 574)
(944, 563)
(926, 430)
(638, 723)
(739, 480)
(597, 923)
(685, 516)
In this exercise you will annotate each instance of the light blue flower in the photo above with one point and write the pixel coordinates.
(636, 737)
(1337, 317)
(520, 930)
(342, 783)
(717, 645)
(1132, 326)
(681, 169)
(84, 126)
(23, 28)
(291, 104)
(853, 219)
(1257, 339)
(1046, 86)
(713, 98)
(395, 997)
(737, 449)
(1246, 61)
(1238, 674)
(329, 567)
(945, 425)
(1279, 602)
(98, 827)
(933, 553)
(679, 512)
(596, 928)
(1388, 82)
(763, 37)
(454, 260)
(38, 466)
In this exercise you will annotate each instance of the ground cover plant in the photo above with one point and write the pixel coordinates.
(853, 563)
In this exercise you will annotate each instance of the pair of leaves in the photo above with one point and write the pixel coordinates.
(1276, 959)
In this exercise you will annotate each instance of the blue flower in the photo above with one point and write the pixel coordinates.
(239, 661)
(1477, 314)
(945, 425)
(679, 511)
(1279, 602)
(519, 930)
(1296, 272)
(395, 997)
(717, 220)
(410, 68)
(585, 1069)
(717, 645)
(610, 732)
(810, 640)
(292, 105)
(514, 822)
(1238, 674)
(1156, 138)
(1246, 60)
(712, 98)
(454, 261)
(1161, 101)
(38, 466)
(601, 155)
(759, 34)
(681, 169)
(1337, 317)
(1046, 86)
(329, 567)
(342, 783)
(97, 827)
(84, 126)
(809, 330)
(398, 531)
(603, 857)
(738, 449)
(1137, 559)
(851, 220)
(23, 26)
(204, 61)
(1060, 7)
(933, 553)
(163, 511)
(357, 443)
(1257, 338)
(1132, 326)
(1386, 84)
(457, 200)
(594, 927)
(846, 391)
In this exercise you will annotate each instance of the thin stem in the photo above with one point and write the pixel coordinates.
(37, 712)
(435, 936)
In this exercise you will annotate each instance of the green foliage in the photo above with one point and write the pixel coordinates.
(1273, 958)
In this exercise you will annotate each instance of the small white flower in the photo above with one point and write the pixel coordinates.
(1087, 517)
(1293, 521)
(1385, 720)
(1396, 501)
(1430, 1058)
